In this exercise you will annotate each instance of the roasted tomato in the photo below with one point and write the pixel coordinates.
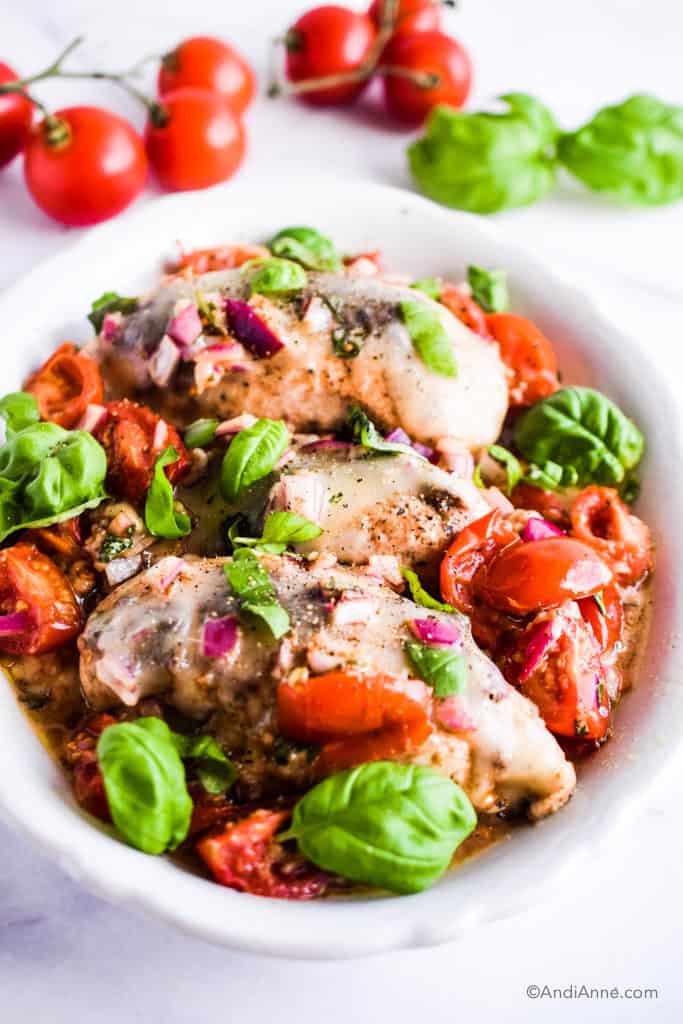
(209, 810)
(81, 755)
(604, 613)
(528, 356)
(133, 437)
(465, 309)
(600, 518)
(64, 544)
(526, 577)
(38, 608)
(224, 257)
(562, 674)
(356, 718)
(65, 386)
(551, 505)
(245, 856)
(471, 549)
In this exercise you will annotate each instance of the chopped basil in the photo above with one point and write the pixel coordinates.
(512, 465)
(442, 668)
(110, 302)
(277, 277)
(346, 341)
(365, 433)
(252, 455)
(200, 433)
(279, 530)
(430, 286)
(420, 595)
(251, 584)
(162, 517)
(430, 338)
(113, 546)
(489, 289)
(307, 246)
(214, 770)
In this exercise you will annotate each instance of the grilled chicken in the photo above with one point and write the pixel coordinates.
(493, 742)
(307, 382)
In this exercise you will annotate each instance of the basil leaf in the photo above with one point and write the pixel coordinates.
(162, 518)
(420, 595)
(47, 475)
(200, 433)
(251, 584)
(279, 530)
(486, 162)
(214, 770)
(145, 785)
(110, 302)
(19, 409)
(278, 276)
(366, 434)
(513, 468)
(632, 151)
(252, 454)
(549, 476)
(489, 289)
(430, 286)
(442, 668)
(582, 431)
(430, 338)
(307, 246)
(476, 478)
(347, 342)
(394, 826)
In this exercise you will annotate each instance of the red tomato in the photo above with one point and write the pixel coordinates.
(245, 856)
(133, 437)
(465, 309)
(473, 548)
(600, 518)
(16, 117)
(65, 385)
(203, 62)
(551, 505)
(607, 625)
(411, 16)
(224, 257)
(526, 577)
(84, 165)
(38, 609)
(527, 354)
(433, 57)
(81, 755)
(201, 143)
(327, 41)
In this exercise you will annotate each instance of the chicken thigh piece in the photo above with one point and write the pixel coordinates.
(146, 638)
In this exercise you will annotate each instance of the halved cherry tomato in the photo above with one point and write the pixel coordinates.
(356, 718)
(65, 385)
(326, 41)
(224, 257)
(607, 625)
(203, 62)
(245, 856)
(528, 355)
(16, 116)
(600, 518)
(209, 810)
(439, 59)
(38, 609)
(133, 437)
(411, 15)
(552, 506)
(526, 577)
(81, 754)
(465, 309)
(471, 549)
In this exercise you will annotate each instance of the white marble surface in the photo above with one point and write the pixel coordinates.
(64, 955)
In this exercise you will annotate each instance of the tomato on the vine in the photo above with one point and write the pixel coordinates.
(16, 117)
(84, 165)
(195, 141)
(422, 70)
(329, 41)
(203, 62)
(411, 15)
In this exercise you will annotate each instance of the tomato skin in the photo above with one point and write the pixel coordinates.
(16, 118)
(65, 385)
(525, 577)
(81, 755)
(30, 581)
(93, 175)
(224, 257)
(412, 15)
(600, 518)
(465, 309)
(607, 626)
(468, 553)
(329, 40)
(203, 62)
(202, 142)
(552, 506)
(425, 53)
(527, 354)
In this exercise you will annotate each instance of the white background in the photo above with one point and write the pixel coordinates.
(67, 957)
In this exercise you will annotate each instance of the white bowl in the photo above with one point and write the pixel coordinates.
(416, 236)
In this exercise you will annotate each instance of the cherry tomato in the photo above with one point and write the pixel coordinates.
(224, 257)
(38, 609)
(65, 385)
(551, 505)
(203, 62)
(16, 117)
(201, 143)
(528, 355)
(133, 437)
(600, 518)
(84, 165)
(81, 755)
(525, 577)
(246, 857)
(411, 16)
(464, 309)
(326, 41)
(473, 548)
(435, 58)
(606, 625)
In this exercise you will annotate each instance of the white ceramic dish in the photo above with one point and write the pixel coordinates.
(416, 236)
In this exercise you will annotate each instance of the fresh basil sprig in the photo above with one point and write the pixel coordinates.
(110, 302)
(200, 433)
(489, 289)
(583, 432)
(277, 277)
(513, 469)
(162, 518)
(19, 410)
(442, 668)
(394, 826)
(366, 434)
(430, 338)
(420, 595)
(144, 780)
(307, 246)
(214, 770)
(279, 530)
(251, 584)
(252, 455)
(632, 151)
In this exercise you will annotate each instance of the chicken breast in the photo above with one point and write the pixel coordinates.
(308, 383)
(146, 639)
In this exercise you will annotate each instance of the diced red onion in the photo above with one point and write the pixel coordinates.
(425, 451)
(455, 457)
(170, 568)
(160, 436)
(111, 325)
(119, 677)
(120, 569)
(399, 436)
(352, 608)
(15, 622)
(326, 444)
(365, 266)
(303, 493)
(186, 326)
(122, 521)
(536, 528)
(436, 631)
(450, 714)
(253, 332)
(540, 641)
(230, 427)
(386, 569)
(163, 362)
(219, 636)
(91, 418)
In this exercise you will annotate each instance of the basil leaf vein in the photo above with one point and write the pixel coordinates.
(252, 454)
